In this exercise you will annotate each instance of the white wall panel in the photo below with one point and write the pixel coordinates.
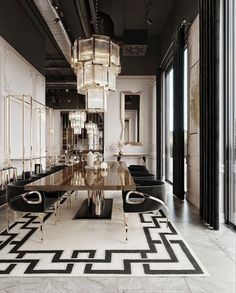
(193, 184)
(146, 85)
(18, 77)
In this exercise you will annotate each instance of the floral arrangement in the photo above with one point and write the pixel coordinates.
(120, 145)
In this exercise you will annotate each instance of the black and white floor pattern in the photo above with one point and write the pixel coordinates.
(96, 247)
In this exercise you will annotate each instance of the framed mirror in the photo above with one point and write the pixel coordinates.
(82, 142)
(131, 118)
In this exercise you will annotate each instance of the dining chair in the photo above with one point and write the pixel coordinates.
(28, 202)
(140, 172)
(149, 197)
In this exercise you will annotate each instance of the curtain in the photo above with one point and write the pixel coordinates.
(178, 134)
(209, 112)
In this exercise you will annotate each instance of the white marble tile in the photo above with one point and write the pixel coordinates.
(225, 239)
(154, 291)
(203, 285)
(221, 279)
(22, 285)
(58, 285)
(151, 283)
(206, 249)
(82, 285)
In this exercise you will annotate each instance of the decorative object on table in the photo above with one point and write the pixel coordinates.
(90, 159)
(77, 120)
(104, 166)
(104, 173)
(120, 146)
(90, 176)
(96, 62)
(99, 157)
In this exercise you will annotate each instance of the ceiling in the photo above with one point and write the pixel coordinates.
(130, 14)
(125, 14)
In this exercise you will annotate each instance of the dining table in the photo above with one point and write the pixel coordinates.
(94, 180)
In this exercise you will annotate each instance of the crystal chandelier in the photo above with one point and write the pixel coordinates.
(96, 62)
(93, 135)
(91, 128)
(77, 120)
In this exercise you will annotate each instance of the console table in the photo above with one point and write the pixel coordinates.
(142, 156)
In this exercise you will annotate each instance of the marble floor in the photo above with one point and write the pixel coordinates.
(215, 249)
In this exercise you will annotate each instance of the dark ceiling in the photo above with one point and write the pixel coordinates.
(124, 14)
(131, 14)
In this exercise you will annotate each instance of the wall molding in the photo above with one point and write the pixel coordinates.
(17, 77)
(142, 78)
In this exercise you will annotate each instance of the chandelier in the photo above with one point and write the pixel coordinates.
(77, 120)
(92, 128)
(96, 62)
(93, 135)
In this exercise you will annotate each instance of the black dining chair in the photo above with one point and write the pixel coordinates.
(2, 197)
(28, 202)
(50, 194)
(143, 176)
(140, 172)
(149, 197)
(137, 168)
(60, 194)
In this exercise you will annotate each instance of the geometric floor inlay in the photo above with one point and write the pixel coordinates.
(96, 248)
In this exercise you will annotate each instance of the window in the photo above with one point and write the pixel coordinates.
(168, 94)
(185, 115)
(169, 125)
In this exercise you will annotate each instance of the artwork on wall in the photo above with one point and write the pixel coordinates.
(194, 100)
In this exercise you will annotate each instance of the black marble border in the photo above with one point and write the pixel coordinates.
(91, 260)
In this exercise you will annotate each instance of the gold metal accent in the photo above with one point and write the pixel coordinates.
(126, 227)
(8, 217)
(23, 136)
(31, 134)
(34, 105)
(41, 218)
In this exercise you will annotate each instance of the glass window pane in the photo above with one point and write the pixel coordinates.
(185, 115)
(170, 126)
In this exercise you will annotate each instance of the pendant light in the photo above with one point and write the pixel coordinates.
(77, 120)
(96, 62)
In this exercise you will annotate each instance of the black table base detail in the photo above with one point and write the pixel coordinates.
(88, 212)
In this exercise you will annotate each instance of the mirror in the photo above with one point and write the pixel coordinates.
(86, 140)
(131, 118)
